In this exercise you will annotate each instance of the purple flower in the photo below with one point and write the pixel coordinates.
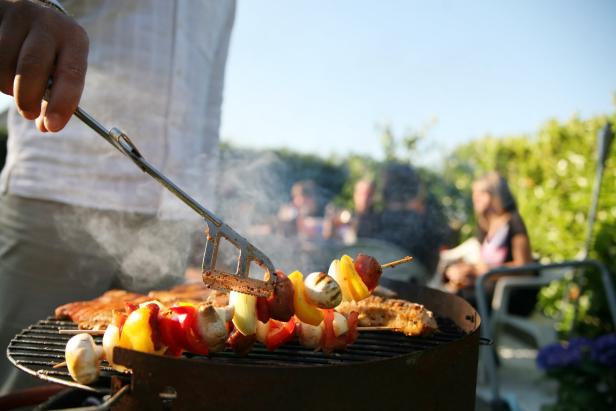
(604, 350)
(559, 355)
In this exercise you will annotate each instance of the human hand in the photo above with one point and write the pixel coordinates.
(460, 275)
(38, 43)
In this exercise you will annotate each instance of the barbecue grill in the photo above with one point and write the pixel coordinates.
(381, 369)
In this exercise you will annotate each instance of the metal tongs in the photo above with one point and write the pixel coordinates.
(216, 228)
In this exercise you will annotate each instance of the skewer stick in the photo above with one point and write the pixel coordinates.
(404, 260)
(377, 328)
(60, 364)
(71, 331)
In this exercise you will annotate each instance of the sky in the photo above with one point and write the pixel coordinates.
(324, 76)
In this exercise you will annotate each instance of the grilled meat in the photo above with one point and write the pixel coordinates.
(410, 318)
(96, 314)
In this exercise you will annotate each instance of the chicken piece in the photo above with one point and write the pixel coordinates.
(409, 318)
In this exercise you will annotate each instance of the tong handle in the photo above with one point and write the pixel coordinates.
(122, 143)
(217, 229)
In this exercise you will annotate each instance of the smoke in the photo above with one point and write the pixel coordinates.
(138, 252)
(141, 253)
(129, 251)
(250, 192)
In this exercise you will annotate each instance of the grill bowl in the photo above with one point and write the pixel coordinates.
(380, 369)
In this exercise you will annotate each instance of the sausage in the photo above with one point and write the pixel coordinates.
(241, 344)
(280, 304)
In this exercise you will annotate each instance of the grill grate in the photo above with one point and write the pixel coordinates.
(39, 347)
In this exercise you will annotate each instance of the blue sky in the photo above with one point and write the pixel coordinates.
(320, 76)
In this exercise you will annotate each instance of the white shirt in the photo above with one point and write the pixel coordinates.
(155, 71)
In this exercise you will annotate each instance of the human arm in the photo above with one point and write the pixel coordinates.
(38, 43)
(462, 274)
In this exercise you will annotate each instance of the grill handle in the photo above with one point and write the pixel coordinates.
(106, 405)
(485, 341)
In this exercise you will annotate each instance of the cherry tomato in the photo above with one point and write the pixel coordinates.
(369, 270)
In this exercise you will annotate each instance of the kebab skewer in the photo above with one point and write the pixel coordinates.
(152, 328)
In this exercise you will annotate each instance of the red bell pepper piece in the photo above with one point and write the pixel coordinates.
(352, 333)
(279, 333)
(329, 336)
(153, 323)
(187, 317)
(130, 307)
(171, 333)
(118, 319)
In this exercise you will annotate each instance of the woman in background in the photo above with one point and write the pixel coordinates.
(501, 234)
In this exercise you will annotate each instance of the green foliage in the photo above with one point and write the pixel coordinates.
(580, 390)
(552, 177)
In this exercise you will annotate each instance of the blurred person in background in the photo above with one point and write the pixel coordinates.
(365, 218)
(408, 219)
(501, 239)
(303, 216)
(76, 217)
(300, 229)
(345, 225)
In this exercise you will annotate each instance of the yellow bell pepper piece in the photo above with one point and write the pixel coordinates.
(356, 285)
(305, 311)
(136, 333)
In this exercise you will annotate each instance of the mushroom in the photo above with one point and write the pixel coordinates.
(322, 290)
(212, 327)
(83, 358)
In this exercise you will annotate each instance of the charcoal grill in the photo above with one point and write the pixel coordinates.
(382, 369)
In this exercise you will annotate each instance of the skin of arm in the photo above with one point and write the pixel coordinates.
(38, 43)
(463, 274)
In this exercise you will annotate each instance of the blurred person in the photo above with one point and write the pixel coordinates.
(346, 225)
(408, 219)
(301, 216)
(365, 218)
(300, 230)
(502, 239)
(76, 216)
